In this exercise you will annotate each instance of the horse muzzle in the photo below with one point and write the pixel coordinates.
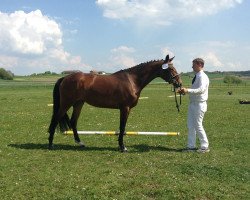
(177, 84)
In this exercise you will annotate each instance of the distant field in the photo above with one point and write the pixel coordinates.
(154, 167)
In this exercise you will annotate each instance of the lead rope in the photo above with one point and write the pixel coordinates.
(180, 96)
(176, 102)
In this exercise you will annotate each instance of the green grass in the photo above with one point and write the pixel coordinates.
(154, 168)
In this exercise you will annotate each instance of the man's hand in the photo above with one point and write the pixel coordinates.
(182, 91)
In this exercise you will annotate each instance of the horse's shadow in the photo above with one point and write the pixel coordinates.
(60, 147)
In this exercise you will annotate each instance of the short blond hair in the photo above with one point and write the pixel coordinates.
(199, 61)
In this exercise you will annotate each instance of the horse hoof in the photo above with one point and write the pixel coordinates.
(123, 149)
(80, 144)
(51, 147)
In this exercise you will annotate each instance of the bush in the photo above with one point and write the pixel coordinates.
(5, 75)
(232, 80)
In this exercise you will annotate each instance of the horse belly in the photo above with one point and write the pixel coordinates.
(110, 99)
(102, 101)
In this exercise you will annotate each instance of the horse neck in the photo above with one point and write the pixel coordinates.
(144, 74)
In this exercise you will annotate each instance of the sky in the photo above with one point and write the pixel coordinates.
(110, 35)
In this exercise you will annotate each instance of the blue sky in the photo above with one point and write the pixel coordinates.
(109, 35)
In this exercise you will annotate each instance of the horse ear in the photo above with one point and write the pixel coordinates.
(166, 59)
(170, 60)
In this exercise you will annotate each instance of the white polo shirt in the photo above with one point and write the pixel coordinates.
(199, 90)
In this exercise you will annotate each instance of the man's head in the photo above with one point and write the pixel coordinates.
(198, 64)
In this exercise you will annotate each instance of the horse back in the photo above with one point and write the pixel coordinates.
(107, 91)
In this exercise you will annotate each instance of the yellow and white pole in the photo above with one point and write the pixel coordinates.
(127, 133)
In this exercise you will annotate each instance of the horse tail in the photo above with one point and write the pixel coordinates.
(64, 122)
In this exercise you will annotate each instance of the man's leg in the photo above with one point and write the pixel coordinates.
(200, 130)
(191, 127)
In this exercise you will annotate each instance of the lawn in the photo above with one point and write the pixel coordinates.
(153, 168)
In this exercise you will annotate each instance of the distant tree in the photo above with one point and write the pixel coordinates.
(47, 72)
(232, 80)
(44, 73)
(69, 72)
(6, 75)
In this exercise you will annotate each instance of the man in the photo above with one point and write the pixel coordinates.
(198, 95)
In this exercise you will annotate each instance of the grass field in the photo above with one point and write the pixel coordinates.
(154, 167)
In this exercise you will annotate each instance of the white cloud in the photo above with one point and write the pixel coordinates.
(121, 56)
(218, 55)
(235, 66)
(123, 49)
(166, 51)
(124, 61)
(162, 12)
(8, 61)
(212, 60)
(30, 33)
(32, 41)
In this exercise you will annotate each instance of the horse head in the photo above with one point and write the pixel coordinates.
(169, 73)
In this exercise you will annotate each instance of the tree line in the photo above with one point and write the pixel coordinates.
(6, 75)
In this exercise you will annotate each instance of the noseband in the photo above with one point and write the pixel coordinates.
(173, 78)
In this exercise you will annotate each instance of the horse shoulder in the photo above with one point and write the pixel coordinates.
(129, 88)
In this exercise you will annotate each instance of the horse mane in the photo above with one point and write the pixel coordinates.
(138, 67)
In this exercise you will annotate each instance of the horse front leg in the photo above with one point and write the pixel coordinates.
(124, 112)
(74, 118)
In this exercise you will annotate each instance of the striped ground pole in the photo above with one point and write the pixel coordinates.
(127, 133)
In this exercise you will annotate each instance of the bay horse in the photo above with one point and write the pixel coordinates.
(120, 90)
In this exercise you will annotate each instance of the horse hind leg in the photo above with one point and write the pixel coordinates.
(55, 120)
(75, 115)
(52, 128)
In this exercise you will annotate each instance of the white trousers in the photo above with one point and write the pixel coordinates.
(196, 112)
